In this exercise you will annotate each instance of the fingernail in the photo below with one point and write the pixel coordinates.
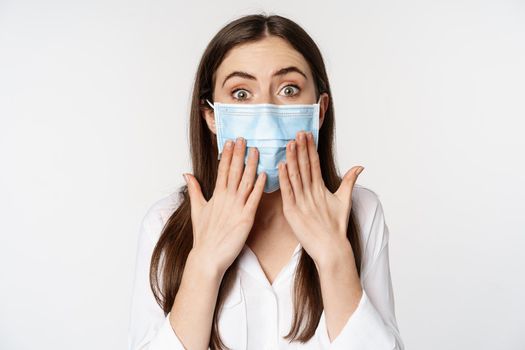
(229, 144)
(238, 142)
(310, 135)
(185, 179)
(292, 146)
(360, 170)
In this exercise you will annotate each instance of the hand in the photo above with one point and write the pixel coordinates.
(318, 217)
(222, 224)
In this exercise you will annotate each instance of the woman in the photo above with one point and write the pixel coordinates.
(231, 262)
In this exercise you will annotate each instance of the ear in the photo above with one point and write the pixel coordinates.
(209, 117)
(323, 106)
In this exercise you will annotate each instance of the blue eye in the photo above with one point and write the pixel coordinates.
(290, 91)
(240, 96)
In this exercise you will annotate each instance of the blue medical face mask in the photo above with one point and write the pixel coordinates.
(268, 127)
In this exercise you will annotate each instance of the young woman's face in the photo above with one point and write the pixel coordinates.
(266, 71)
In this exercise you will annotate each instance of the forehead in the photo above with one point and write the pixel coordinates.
(262, 58)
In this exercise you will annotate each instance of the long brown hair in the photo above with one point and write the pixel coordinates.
(176, 239)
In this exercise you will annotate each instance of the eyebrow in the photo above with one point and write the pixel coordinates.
(280, 72)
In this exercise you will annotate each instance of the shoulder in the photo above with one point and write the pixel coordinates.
(158, 213)
(366, 203)
(373, 231)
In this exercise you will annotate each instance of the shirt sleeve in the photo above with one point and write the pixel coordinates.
(373, 325)
(149, 328)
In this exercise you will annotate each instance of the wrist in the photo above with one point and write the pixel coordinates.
(200, 263)
(340, 266)
(341, 254)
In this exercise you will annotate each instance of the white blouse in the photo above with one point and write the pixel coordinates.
(256, 314)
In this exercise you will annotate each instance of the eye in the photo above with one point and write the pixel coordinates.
(289, 90)
(242, 95)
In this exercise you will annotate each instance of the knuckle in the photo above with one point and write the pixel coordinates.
(245, 220)
(294, 175)
(235, 171)
(291, 209)
(248, 186)
(309, 210)
(226, 153)
(244, 216)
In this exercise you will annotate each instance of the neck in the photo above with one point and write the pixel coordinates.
(269, 211)
(270, 230)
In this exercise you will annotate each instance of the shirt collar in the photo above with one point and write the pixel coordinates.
(248, 262)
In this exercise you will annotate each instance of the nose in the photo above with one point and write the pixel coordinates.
(267, 98)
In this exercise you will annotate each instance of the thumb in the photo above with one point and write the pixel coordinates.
(347, 184)
(194, 190)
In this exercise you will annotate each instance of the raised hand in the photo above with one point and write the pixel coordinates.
(222, 224)
(318, 217)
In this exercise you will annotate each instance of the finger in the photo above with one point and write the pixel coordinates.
(197, 199)
(293, 170)
(248, 178)
(237, 164)
(347, 184)
(315, 164)
(253, 199)
(302, 159)
(286, 187)
(224, 165)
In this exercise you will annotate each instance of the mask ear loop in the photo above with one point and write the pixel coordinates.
(217, 135)
(316, 135)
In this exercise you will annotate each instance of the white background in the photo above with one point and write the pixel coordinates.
(94, 101)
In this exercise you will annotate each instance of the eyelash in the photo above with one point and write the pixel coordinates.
(292, 85)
